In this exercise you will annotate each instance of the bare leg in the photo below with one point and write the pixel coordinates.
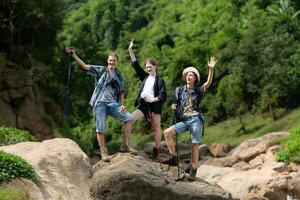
(101, 139)
(128, 125)
(169, 137)
(156, 129)
(195, 155)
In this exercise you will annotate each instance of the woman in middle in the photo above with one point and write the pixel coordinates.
(150, 98)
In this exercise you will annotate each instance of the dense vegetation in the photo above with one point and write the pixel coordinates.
(256, 43)
(12, 166)
(13, 136)
(291, 147)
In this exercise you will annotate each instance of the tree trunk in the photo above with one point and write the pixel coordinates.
(270, 107)
(242, 124)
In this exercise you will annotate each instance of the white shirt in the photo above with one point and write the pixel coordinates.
(148, 91)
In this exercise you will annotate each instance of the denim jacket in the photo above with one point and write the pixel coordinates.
(100, 73)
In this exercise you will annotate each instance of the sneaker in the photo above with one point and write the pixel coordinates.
(126, 149)
(104, 154)
(192, 175)
(172, 160)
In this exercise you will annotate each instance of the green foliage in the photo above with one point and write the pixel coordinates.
(291, 149)
(85, 136)
(13, 194)
(256, 43)
(28, 29)
(12, 136)
(12, 166)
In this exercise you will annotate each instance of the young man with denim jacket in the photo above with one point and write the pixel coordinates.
(186, 101)
(107, 99)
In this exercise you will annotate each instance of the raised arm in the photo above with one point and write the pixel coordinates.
(131, 53)
(77, 59)
(135, 64)
(211, 64)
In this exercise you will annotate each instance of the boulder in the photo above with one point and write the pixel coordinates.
(294, 185)
(212, 174)
(256, 162)
(203, 150)
(219, 150)
(275, 189)
(132, 177)
(62, 168)
(31, 188)
(222, 162)
(242, 166)
(251, 148)
(29, 117)
(239, 182)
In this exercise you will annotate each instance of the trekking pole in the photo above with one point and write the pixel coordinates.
(176, 138)
(177, 147)
(152, 129)
(67, 95)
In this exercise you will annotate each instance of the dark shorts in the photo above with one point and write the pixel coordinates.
(145, 107)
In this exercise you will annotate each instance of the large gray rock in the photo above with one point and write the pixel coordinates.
(133, 178)
(294, 185)
(219, 150)
(251, 148)
(30, 118)
(62, 168)
(274, 189)
(21, 104)
(23, 184)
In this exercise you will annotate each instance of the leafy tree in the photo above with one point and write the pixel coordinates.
(231, 96)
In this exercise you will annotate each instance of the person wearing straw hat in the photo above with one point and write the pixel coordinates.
(186, 101)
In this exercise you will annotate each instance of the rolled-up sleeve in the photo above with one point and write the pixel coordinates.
(96, 70)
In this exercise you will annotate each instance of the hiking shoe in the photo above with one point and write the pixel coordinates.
(154, 153)
(192, 175)
(104, 154)
(188, 168)
(126, 149)
(172, 160)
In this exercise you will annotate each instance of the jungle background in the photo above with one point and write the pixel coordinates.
(256, 81)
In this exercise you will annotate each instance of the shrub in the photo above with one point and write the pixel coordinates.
(12, 166)
(291, 149)
(12, 136)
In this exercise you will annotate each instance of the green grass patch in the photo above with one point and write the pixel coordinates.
(13, 194)
(291, 147)
(10, 136)
(12, 166)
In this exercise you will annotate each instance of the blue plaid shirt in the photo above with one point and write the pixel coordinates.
(101, 79)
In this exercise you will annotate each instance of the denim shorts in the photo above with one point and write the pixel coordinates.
(192, 124)
(103, 109)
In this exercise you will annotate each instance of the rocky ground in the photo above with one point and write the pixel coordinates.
(247, 172)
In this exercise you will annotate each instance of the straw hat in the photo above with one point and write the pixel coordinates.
(190, 69)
